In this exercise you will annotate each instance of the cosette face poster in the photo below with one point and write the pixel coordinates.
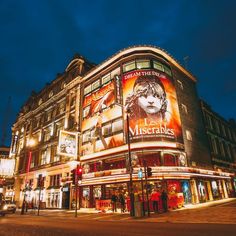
(150, 100)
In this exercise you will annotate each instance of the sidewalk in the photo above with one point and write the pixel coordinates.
(187, 207)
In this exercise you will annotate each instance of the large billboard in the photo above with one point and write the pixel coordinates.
(150, 99)
(101, 119)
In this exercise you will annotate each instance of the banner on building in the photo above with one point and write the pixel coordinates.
(150, 100)
(68, 143)
(102, 123)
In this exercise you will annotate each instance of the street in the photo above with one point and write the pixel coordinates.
(210, 220)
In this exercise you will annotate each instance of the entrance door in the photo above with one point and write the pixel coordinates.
(66, 200)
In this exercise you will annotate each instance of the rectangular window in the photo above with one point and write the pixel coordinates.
(129, 66)
(44, 157)
(189, 135)
(209, 121)
(117, 126)
(143, 64)
(87, 89)
(106, 130)
(214, 146)
(217, 126)
(106, 79)
(222, 150)
(157, 65)
(95, 84)
(86, 136)
(167, 70)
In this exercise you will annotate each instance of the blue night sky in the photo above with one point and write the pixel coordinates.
(39, 38)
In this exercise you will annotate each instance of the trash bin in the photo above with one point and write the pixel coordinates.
(138, 209)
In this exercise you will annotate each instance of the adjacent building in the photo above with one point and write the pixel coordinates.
(141, 104)
(6, 174)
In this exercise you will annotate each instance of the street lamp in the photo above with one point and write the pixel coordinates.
(30, 144)
(131, 192)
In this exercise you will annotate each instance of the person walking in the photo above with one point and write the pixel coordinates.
(122, 202)
(155, 197)
(164, 198)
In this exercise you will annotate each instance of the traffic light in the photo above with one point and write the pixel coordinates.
(149, 171)
(79, 172)
(73, 176)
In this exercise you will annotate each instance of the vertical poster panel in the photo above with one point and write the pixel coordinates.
(68, 143)
(100, 115)
(150, 98)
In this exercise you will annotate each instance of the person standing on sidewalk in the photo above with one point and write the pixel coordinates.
(164, 198)
(155, 197)
(114, 202)
(122, 202)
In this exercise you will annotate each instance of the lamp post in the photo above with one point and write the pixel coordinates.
(131, 192)
(30, 144)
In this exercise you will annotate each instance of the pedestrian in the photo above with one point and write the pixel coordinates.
(155, 197)
(114, 202)
(122, 202)
(164, 198)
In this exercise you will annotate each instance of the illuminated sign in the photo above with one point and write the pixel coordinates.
(68, 142)
(150, 99)
(7, 167)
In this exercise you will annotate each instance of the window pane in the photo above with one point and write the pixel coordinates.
(87, 89)
(86, 136)
(117, 126)
(95, 84)
(129, 66)
(106, 130)
(157, 65)
(167, 70)
(143, 64)
(106, 78)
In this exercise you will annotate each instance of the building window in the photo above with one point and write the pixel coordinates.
(184, 108)
(44, 157)
(222, 149)
(61, 108)
(129, 66)
(143, 64)
(86, 136)
(209, 121)
(106, 130)
(106, 79)
(47, 135)
(223, 129)
(96, 84)
(189, 135)
(167, 70)
(117, 126)
(157, 65)
(87, 89)
(217, 127)
(214, 146)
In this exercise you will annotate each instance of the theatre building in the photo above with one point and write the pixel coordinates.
(139, 106)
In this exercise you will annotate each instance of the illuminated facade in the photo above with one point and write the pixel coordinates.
(6, 174)
(81, 117)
